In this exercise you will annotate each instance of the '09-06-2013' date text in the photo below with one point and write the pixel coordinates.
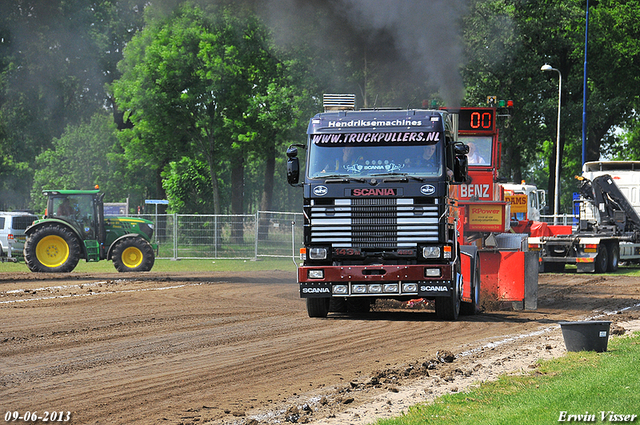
(55, 416)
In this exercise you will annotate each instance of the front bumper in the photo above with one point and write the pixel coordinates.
(376, 281)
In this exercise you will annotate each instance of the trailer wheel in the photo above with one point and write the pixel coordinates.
(52, 249)
(602, 259)
(614, 257)
(448, 308)
(318, 307)
(133, 255)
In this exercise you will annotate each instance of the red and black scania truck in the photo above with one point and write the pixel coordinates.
(380, 210)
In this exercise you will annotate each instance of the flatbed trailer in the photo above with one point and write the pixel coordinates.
(607, 232)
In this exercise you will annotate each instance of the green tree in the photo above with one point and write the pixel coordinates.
(188, 186)
(507, 43)
(55, 57)
(84, 156)
(206, 85)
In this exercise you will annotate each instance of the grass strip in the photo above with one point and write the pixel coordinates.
(168, 266)
(593, 385)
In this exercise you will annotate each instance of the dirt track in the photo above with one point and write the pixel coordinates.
(239, 348)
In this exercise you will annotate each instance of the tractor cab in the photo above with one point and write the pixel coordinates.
(82, 209)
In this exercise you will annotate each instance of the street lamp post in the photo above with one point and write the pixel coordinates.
(547, 67)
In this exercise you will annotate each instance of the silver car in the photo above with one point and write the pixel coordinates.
(12, 238)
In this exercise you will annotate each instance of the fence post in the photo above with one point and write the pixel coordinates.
(215, 236)
(257, 233)
(175, 236)
(293, 241)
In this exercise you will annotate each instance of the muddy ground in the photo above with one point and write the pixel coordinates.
(238, 348)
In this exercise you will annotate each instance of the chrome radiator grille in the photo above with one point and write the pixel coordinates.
(374, 223)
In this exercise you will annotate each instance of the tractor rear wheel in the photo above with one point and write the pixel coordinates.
(52, 249)
(133, 255)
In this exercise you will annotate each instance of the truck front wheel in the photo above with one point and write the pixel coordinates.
(448, 308)
(469, 309)
(318, 307)
(52, 249)
(133, 255)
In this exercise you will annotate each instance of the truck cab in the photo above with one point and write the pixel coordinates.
(380, 215)
(527, 201)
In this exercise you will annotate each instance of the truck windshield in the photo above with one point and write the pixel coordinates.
(361, 161)
(479, 149)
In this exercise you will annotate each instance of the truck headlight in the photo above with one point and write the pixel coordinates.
(390, 287)
(431, 252)
(315, 274)
(409, 287)
(432, 272)
(317, 253)
(340, 289)
(359, 289)
(376, 288)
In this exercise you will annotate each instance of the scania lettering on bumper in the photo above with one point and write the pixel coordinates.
(315, 290)
(353, 289)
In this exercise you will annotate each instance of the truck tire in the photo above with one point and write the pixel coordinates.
(318, 307)
(52, 248)
(602, 259)
(358, 305)
(338, 305)
(448, 308)
(469, 309)
(133, 255)
(614, 257)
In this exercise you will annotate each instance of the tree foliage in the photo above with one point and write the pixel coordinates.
(507, 43)
(55, 57)
(62, 167)
(208, 86)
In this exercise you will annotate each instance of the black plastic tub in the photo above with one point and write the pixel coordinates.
(586, 336)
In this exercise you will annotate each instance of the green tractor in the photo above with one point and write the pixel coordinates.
(74, 228)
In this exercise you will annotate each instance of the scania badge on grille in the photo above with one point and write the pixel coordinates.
(320, 190)
(428, 189)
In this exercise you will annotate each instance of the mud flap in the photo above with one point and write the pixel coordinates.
(531, 259)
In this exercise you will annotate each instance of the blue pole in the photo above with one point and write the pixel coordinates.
(584, 90)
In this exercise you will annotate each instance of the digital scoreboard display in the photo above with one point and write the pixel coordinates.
(477, 119)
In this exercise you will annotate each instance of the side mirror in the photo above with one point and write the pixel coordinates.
(293, 171)
(292, 152)
(293, 166)
(460, 148)
(461, 163)
(461, 169)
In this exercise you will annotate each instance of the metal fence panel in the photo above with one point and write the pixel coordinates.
(191, 236)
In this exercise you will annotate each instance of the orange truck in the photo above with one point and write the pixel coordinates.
(508, 269)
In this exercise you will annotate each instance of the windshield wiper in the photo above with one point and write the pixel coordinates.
(334, 176)
(342, 178)
(393, 174)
